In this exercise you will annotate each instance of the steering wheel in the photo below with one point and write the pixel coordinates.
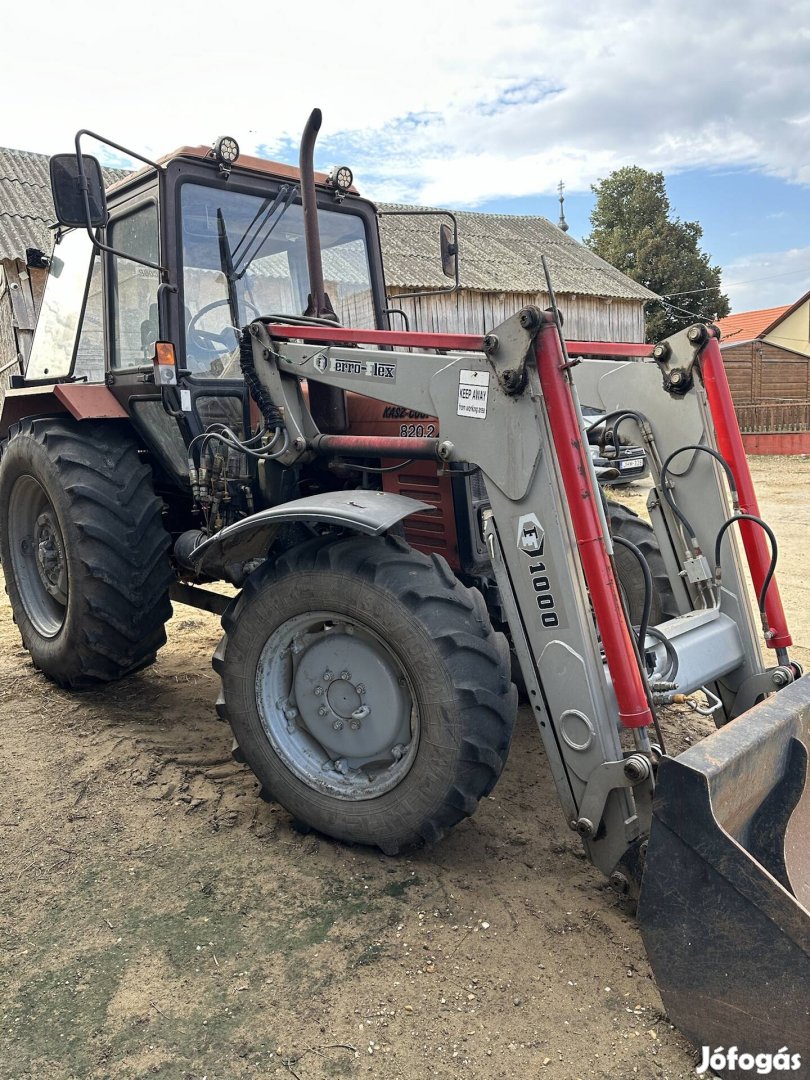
(206, 340)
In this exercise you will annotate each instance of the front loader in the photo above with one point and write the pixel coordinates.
(367, 679)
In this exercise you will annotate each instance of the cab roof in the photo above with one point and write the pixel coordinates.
(244, 163)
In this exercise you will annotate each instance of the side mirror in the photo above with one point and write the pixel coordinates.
(68, 187)
(449, 249)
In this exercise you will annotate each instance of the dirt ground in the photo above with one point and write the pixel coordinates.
(158, 920)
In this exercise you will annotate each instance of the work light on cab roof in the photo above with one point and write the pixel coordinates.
(340, 178)
(226, 150)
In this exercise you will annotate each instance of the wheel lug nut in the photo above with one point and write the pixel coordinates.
(318, 691)
(322, 711)
(338, 724)
(355, 725)
(360, 688)
(345, 675)
(327, 675)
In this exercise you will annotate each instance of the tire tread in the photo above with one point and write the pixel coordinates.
(123, 550)
(475, 657)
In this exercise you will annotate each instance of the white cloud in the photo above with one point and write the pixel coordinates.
(438, 103)
(767, 279)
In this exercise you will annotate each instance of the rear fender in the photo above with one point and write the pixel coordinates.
(82, 401)
(370, 512)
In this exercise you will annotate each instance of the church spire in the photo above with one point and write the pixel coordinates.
(562, 223)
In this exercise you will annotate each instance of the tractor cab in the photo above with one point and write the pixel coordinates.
(185, 253)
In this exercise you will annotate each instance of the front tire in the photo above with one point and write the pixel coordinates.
(626, 523)
(367, 690)
(83, 549)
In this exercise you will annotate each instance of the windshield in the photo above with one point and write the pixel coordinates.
(245, 255)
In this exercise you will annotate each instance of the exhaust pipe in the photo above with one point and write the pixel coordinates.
(327, 404)
(318, 304)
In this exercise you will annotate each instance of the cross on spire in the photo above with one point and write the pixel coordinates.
(562, 224)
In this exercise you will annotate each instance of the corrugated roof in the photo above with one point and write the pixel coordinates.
(498, 253)
(26, 208)
(749, 325)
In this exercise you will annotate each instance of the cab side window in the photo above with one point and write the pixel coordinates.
(89, 362)
(134, 287)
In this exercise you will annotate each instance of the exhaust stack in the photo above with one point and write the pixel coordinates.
(318, 304)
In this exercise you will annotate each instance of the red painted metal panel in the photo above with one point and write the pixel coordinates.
(730, 445)
(427, 532)
(634, 710)
(85, 402)
(343, 336)
(23, 401)
(777, 442)
(608, 348)
(453, 342)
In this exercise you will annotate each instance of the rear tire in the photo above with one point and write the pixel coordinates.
(83, 549)
(626, 523)
(368, 629)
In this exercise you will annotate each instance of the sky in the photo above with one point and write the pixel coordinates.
(473, 106)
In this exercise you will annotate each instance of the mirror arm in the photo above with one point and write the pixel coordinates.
(97, 244)
(428, 213)
(108, 142)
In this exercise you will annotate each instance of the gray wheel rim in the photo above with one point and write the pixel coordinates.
(38, 557)
(337, 706)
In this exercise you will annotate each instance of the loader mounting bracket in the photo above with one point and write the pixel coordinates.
(757, 686)
(515, 337)
(676, 358)
(626, 773)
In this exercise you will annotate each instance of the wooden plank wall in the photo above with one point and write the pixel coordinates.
(589, 318)
(21, 289)
(759, 372)
(8, 340)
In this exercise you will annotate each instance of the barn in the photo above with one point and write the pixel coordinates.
(767, 357)
(501, 272)
(26, 213)
(26, 235)
(500, 263)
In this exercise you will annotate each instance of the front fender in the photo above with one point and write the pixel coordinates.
(371, 512)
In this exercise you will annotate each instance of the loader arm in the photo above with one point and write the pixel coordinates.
(508, 404)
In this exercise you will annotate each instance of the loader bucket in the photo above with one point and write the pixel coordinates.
(724, 901)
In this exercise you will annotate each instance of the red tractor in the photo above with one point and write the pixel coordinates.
(214, 394)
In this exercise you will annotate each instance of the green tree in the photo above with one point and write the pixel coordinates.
(634, 230)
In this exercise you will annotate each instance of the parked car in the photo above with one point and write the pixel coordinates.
(614, 470)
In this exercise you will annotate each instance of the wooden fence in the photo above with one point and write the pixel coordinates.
(774, 416)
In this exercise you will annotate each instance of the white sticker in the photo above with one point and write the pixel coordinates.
(473, 391)
(185, 400)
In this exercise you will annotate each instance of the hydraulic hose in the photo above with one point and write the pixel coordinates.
(648, 587)
(690, 532)
(763, 593)
(271, 414)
